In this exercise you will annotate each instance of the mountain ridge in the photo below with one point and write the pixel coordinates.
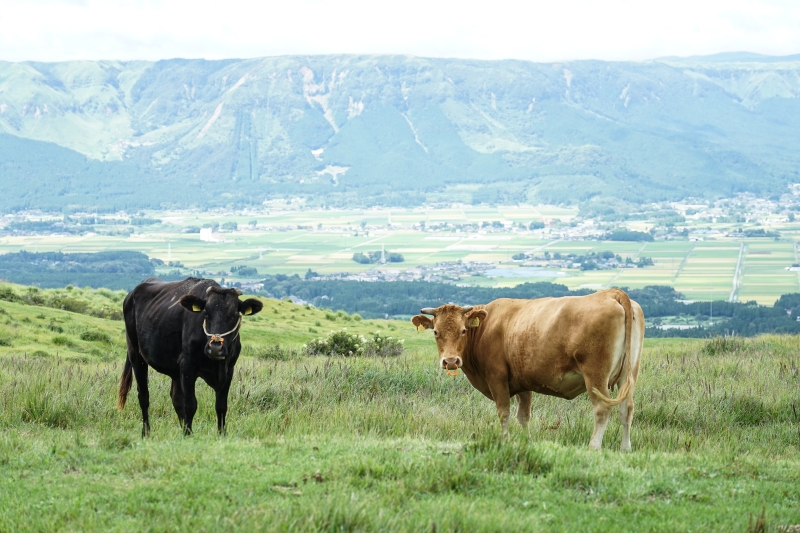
(395, 130)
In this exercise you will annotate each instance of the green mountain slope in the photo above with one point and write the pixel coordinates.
(394, 129)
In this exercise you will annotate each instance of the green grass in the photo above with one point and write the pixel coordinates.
(320, 444)
(28, 328)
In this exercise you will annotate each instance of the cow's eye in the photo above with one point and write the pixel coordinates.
(435, 333)
(464, 331)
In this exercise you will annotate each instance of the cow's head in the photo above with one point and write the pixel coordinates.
(449, 325)
(222, 316)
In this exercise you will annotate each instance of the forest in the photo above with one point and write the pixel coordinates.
(400, 299)
(405, 298)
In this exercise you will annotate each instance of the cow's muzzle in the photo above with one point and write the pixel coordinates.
(215, 349)
(451, 364)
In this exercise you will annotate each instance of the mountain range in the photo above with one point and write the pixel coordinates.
(394, 130)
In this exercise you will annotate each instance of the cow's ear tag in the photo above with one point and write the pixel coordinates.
(420, 328)
(196, 308)
(475, 322)
(248, 311)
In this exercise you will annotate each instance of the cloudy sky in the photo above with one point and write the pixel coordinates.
(58, 30)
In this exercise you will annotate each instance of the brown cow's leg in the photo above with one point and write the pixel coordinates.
(626, 416)
(502, 400)
(602, 412)
(524, 408)
(176, 393)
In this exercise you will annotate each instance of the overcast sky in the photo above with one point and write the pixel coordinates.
(552, 30)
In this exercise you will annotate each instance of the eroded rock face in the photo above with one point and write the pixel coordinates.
(397, 127)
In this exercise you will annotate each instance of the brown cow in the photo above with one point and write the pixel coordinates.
(557, 346)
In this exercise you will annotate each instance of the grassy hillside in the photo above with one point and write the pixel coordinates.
(90, 326)
(393, 130)
(319, 444)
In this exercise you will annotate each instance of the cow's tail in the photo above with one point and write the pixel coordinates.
(125, 383)
(626, 389)
(126, 380)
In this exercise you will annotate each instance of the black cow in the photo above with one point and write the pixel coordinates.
(184, 329)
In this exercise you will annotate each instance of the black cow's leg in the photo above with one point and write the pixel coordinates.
(140, 372)
(189, 400)
(176, 392)
(222, 402)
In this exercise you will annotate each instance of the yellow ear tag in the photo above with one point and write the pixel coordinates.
(196, 308)
(420, 328)
(475, 322)
(248, 311)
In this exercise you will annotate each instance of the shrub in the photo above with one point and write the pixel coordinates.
(62, 340)
(8, 294)
(723, 345)
(383, 346)
(5, 341)
(275, 352)
(352, 345)
(95, 336)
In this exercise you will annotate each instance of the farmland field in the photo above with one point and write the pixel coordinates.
(357, 444)
(292, 240)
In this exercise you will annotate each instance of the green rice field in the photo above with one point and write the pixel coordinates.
(292, 240)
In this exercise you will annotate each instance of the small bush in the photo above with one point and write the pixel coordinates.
(62, 340)
(95, 336)
(5, 341)
(330, 316)
(8, 294)
(357, 317)
(384, 346)
(40, 353)
(352, 345)
(722, 345)
(275, 352)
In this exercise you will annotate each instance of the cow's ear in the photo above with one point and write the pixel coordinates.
(250, 306)
(192, 303)
(422, 322)
(474, 318)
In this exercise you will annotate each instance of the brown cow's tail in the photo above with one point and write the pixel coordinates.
(125, 383)
(626, 389)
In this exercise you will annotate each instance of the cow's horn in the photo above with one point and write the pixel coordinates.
(209, 289)
(428, 311)
(466, 308)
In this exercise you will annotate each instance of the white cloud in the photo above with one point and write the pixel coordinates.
(59, 30)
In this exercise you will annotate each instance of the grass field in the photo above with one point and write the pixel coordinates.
(289, 240)
(321, 444)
